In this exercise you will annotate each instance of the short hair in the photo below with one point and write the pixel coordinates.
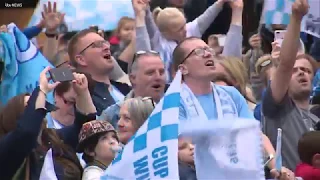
(307, 146)
(311, 60)
(73, 43)
(179, 53)
(139, 110)
(133, 66)
(124, 20)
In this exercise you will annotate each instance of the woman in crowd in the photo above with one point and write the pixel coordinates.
(24, 138)
(98, 141)
(133, 113)
(235, 72)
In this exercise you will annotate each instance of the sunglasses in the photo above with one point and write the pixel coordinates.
(199, 52)
(96, 44)
(149, 99)
(140, 53)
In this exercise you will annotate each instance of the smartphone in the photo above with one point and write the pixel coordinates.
(61, 74)
(279, 36)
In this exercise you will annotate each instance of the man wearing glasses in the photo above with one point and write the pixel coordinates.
(90, 53)
(200, 98)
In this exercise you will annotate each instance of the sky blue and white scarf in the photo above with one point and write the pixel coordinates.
(152, 153)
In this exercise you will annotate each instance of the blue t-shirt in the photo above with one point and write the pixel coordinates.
(209, 106)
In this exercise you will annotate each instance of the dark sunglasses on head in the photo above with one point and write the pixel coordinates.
(96, 44)
(199, 52)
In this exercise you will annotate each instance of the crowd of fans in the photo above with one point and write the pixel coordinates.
(120, 77)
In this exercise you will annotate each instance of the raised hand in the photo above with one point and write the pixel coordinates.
(140, 5)
(3, 28)
(52, 19)
(80, 83)
(255, 41)
(44, 84)
(236, 5)
(300, 8)
(275, 53)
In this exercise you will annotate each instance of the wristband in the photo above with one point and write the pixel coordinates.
(45, 94)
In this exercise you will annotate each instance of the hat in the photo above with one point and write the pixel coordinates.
(90, 129)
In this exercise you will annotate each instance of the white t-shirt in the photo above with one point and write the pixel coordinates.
(166, 47)
(92, 173)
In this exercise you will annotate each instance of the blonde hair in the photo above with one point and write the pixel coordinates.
(124, 20)
(167, 18)
(238, 72)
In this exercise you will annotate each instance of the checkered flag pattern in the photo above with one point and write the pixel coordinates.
(158, 133)
(81, 14)
(277, 11)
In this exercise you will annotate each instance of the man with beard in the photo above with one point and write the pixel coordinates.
(286, 102)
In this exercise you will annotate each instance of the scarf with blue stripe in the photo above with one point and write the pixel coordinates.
(23, 64)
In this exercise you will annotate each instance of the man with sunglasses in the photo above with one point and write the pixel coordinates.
(148, 79)
(200, 98)
(90, 53)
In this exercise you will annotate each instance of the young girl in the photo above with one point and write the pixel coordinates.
(98, 141)
(124, 33)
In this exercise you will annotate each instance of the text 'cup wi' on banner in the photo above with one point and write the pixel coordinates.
(152, 153)
(23, 63)
(235, 147)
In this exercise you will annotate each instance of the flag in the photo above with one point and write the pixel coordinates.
(47, 171)
(152, 153)
(277, 11)
(23, 64)
(278, 157)
(82, 14)
(229, 148)
(311, 21)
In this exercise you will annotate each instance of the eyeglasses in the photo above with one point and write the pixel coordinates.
(199, 52)
(96, 44)
(149, 99)
(140, 53)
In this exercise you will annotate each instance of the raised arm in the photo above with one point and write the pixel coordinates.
(279, 86)
(85, 111)
(152, 28)
(206, 18)
(233, 44)
(142, 36)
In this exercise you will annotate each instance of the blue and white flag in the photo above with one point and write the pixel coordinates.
(80, 14)
(235, 147)
(47, 171)
(23, 64)
(277, 11)
(311, 21)
(152, 153)
(278, 157)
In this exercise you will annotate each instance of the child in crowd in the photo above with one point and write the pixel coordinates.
(123, 35)
(309, 152)
(186, 160)
(98, 141)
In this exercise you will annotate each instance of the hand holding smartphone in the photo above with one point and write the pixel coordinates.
(279, 36)
(61, 74)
